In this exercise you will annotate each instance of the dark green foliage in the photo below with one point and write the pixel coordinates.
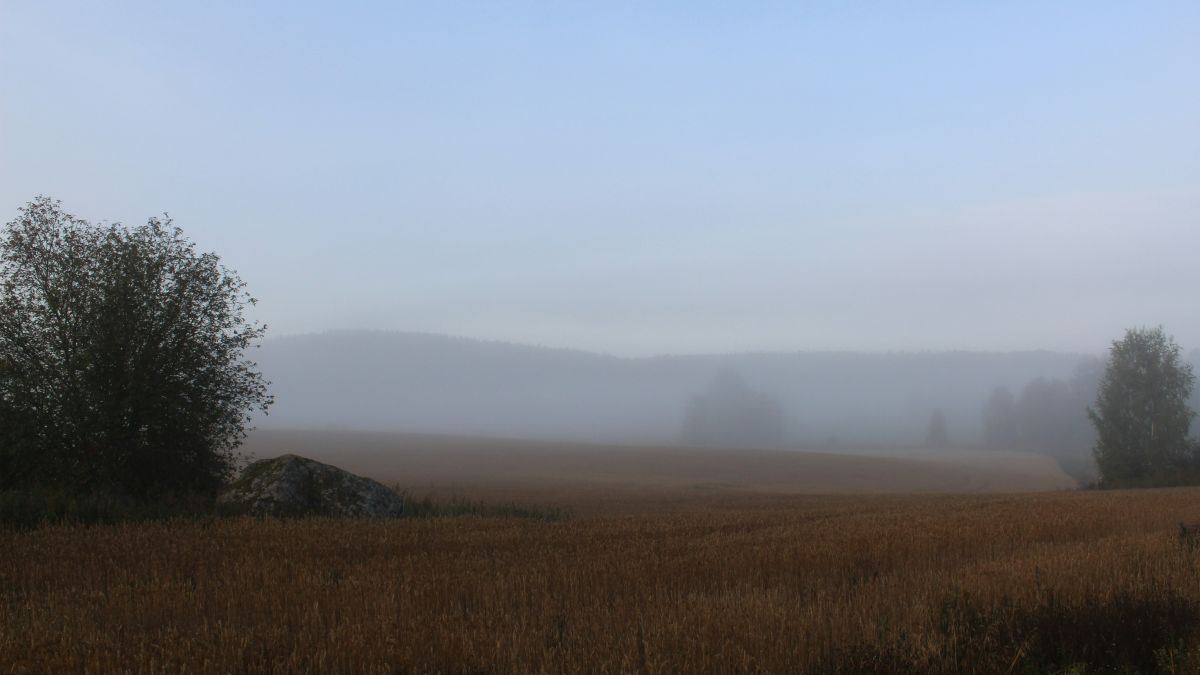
(121, 358)
(1141, 413)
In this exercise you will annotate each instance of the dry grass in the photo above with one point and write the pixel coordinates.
(623, 478)
(770, 583)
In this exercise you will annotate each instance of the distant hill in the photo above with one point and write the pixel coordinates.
(425, 383)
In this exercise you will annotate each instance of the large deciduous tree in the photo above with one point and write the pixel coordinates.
(122, 357)
(1141, 412)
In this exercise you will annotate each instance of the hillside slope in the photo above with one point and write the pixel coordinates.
(436, 384)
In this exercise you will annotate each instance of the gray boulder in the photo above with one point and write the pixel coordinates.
(291, 486)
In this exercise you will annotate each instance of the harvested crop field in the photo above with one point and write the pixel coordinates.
(770, 583)
(614, 478)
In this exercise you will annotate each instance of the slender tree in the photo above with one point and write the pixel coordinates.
(1141, 412)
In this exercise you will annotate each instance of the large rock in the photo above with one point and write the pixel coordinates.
(292, 486)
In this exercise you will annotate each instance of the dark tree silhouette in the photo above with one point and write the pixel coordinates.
(121, 357)
(730, 414)
(1141, 412)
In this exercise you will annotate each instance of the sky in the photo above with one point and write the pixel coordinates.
(640, 178)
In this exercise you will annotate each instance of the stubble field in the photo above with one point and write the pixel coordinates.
(1052, 582)
(592, 478)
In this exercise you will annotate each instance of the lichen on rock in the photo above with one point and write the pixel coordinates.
(291, 486)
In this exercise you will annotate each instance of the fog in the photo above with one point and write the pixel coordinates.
(640, 181)
(817, 223)
(609, 336)
(380, 381)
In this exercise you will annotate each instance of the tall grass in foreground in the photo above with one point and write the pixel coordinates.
(428, 507)
(1067, 582)
(31, 508)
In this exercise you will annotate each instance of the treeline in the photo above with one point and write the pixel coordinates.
(438, 384)
(1048, 416)
(1122, 422)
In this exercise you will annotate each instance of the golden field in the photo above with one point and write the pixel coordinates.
(1051, 582)
(593, 478)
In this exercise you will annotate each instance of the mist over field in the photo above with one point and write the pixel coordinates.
(497, 337)
(784, 227)
(381, 381)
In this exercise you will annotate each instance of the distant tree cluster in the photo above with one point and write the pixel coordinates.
(730, 414)
(122, 365)
(1121, 422)
(1048, 417)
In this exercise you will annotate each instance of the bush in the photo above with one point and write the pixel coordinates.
(122, 366)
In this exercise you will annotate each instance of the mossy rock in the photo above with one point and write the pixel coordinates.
(291, 486)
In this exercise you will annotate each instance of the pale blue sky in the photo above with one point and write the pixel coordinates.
(673, 177)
